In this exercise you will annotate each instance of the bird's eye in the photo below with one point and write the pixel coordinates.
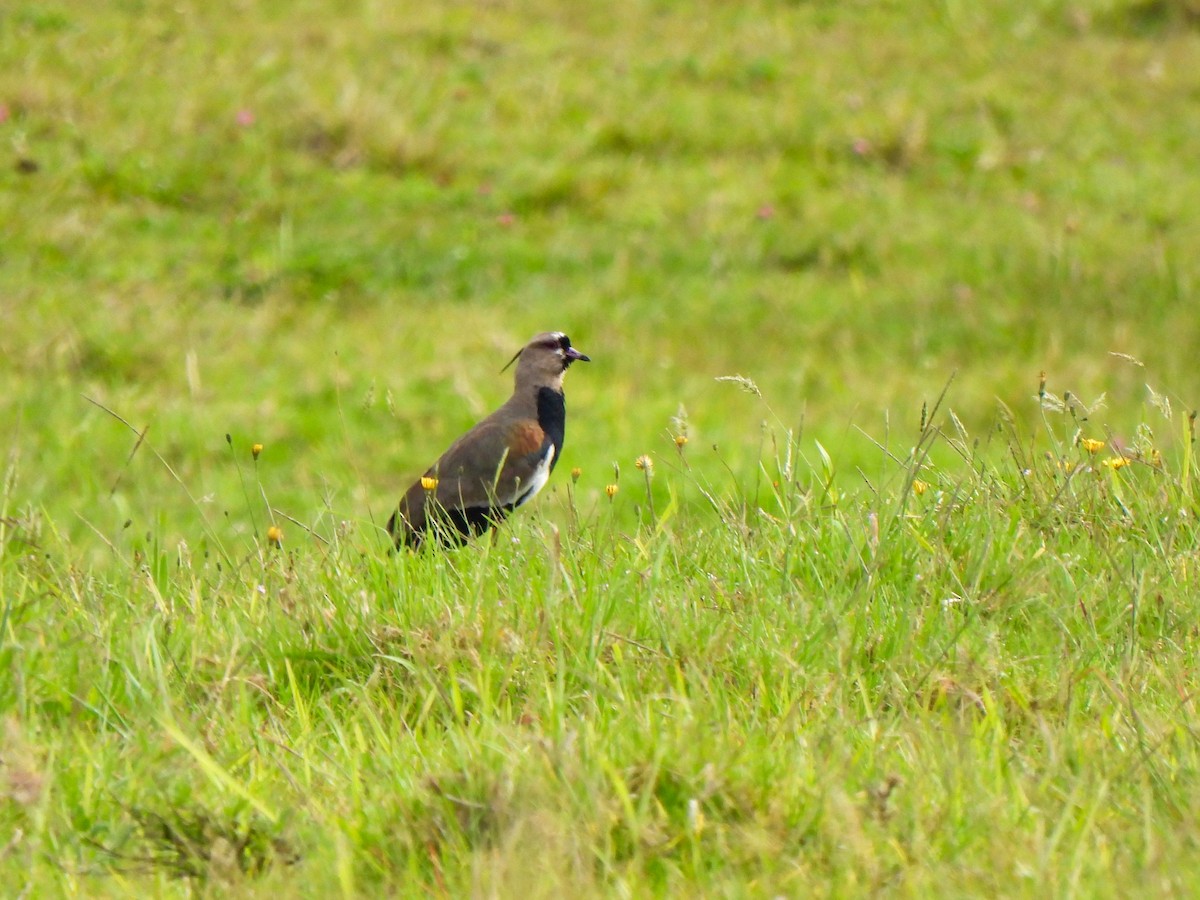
(564, 342)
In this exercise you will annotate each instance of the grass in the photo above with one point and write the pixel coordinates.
(885, 623)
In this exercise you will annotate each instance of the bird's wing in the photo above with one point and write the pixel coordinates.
(470, 475)
(490, 465)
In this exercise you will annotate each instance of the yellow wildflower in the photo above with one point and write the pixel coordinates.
(275, 535)
(429, 483)
(256, 450)
(1116, 462)
(1091, 445)
(611, 490)
(919, 487)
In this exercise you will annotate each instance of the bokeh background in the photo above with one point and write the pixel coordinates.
(324, 226)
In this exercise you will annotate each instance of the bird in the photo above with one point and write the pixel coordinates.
(499, 464)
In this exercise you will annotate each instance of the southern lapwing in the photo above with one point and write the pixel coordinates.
(499, 464)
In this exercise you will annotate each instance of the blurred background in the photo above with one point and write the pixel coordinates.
(325, 226)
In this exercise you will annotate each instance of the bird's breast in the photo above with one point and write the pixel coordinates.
(552, 418)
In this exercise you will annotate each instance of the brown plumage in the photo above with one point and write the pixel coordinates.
(499, 464)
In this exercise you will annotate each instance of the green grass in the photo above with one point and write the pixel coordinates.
(883, 625)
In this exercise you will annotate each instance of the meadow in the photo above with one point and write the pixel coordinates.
(870, 565)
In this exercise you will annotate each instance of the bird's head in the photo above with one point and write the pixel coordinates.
(544, 359)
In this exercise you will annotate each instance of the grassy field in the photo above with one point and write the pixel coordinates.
(903, 615)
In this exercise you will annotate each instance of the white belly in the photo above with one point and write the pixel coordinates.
(538, 480)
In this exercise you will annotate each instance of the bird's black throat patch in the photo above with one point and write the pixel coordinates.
(552, 418)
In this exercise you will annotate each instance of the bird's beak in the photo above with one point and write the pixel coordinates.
(573, 355)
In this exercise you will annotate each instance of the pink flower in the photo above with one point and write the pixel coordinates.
(245, 117)
(766, 211)
(861, 146)
(4, 113)
(505, 219)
